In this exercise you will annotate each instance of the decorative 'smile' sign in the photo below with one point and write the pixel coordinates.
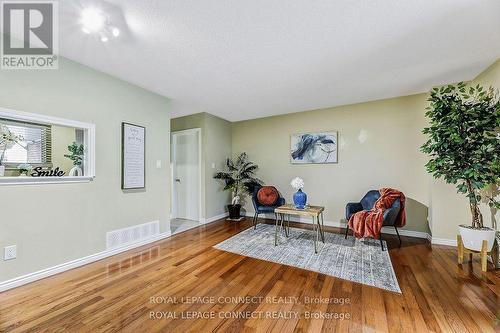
(38, 172)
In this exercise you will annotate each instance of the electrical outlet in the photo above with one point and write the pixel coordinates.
(10, 252)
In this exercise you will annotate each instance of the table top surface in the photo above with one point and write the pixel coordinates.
(290, 209)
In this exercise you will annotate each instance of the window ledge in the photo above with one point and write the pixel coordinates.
(43, 180)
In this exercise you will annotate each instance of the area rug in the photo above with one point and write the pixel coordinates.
(361, 261)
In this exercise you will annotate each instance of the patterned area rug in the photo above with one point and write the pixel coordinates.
(361, 261)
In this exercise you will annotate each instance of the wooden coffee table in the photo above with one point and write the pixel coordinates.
(284, 212)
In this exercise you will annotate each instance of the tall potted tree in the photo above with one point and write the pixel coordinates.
(464, 146)
(239, 178)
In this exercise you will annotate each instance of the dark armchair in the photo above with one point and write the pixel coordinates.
(262, 209)
(367, 203)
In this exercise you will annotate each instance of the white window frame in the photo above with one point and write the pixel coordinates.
(9, 165)
(89, 143)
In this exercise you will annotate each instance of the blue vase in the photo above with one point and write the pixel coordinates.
(300, 199)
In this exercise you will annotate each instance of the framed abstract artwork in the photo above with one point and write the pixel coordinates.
(314, 148)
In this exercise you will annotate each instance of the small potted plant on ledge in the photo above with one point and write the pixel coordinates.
(464, 146)
(76, 156)
(240, 180)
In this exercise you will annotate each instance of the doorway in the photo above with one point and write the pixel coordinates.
(186, 178)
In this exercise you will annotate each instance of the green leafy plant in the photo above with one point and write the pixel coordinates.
(76, 155)
(240, 177)
(464, 141)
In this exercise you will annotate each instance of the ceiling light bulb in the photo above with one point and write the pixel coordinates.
(86, 30)
(104, 39)
(92, 19)
(115, 32)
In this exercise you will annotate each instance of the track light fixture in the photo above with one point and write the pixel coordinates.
(94, 21)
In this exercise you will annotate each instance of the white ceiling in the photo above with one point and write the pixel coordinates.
(249, 59)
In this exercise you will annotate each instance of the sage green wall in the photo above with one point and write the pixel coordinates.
(378, 147)
(450, 209)
(52, 224)
(188, 122)
(216, 147)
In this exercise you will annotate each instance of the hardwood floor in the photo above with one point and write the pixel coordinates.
(141, 290)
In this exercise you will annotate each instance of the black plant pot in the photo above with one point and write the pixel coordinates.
(234, 211)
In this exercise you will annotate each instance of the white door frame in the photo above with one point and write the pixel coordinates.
(201, 215)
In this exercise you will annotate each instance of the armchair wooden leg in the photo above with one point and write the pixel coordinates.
(381, 242)
(255, 217)
(346, 231)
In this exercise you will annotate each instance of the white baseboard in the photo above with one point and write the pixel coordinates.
(443, 241)
(31, 277)
(214, 218)
(300, 219)
(342, 224)
(404, 232)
